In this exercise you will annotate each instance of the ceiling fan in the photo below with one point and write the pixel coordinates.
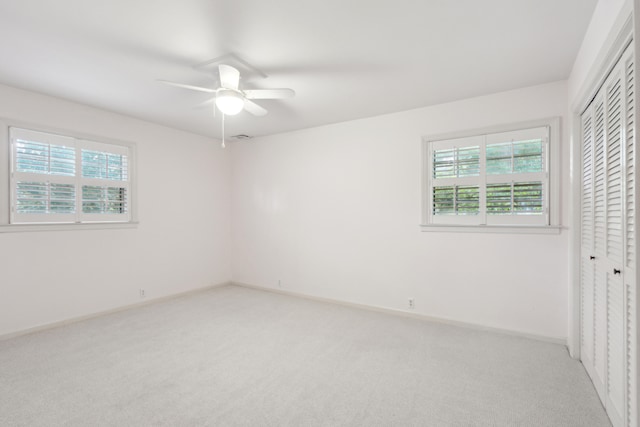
(230, 99)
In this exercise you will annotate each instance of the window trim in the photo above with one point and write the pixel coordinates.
(553, 225)
(7, 194)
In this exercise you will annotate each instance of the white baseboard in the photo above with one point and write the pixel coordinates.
(554, 340)
(110, 311)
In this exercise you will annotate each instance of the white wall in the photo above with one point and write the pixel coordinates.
(180, 244)
(333, 212)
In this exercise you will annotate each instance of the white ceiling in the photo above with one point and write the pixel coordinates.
(346, 59)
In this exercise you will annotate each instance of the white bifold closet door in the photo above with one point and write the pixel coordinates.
(607, 263)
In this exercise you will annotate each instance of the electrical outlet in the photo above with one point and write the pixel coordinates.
(142, 295)
(412, 304)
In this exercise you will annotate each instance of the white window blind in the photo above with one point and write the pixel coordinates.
(499, 178)
(60, 179)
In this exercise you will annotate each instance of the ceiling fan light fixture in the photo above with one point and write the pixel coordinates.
(230, 102)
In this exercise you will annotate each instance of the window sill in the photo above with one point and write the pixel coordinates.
(512, 229)
(17, 228)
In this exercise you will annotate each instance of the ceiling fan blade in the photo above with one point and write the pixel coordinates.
(198, 88)
(206, 103)
(229, 77)
(269, 93)
(254, 108)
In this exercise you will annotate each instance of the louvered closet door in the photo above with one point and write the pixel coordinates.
(613, 261)
(598, 374)
(608, 244)
(587, 259)
(629, 182)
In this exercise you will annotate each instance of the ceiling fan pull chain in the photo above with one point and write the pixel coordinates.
(223, 146)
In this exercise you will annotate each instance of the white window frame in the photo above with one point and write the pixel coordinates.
(547, 222)
(12, 222)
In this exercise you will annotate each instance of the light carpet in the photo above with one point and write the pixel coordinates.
(234, 356)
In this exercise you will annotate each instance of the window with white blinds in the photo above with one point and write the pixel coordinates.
(496, 178)
(62, 179)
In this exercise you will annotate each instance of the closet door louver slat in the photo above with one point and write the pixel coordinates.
(630, 244)
(599, 180)
(630, 166)
(587, 185)
(614, 173)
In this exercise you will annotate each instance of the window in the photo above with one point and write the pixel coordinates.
(61, 179)
(499, 178)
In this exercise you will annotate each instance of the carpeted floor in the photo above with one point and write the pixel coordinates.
(234, 356)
